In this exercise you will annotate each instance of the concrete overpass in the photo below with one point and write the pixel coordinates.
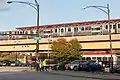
(98, 42)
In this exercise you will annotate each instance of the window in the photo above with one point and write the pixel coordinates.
(106, 26)
(104, 58)
(75, 29)
(110, 26)
(65, 29)
(15, 32)
(94, 58)
(98, 28)
(83, 58)
(99, 58)
(5, 33)
(55, 30)
(62, 30)
(88, 58)
(59, 30)
(69, 29)
(31, 32)
(47, 31)
(26, 32)
(82, 28)
(23, 32)
(20, 32)
(118, 25)
(114, 26)
(86, 28)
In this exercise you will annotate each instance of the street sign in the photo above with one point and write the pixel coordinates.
(37, 38)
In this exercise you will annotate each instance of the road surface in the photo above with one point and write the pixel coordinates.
(16, 75)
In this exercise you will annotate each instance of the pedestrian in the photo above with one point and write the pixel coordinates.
(40, 65)
(37, 65)
(44, 65)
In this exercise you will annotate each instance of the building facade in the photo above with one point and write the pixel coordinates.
(92, 35)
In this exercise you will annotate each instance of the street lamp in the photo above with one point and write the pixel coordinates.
(108, 15)
(49, 41)
(36, 7)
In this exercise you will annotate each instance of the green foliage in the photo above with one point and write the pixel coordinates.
(63, 50)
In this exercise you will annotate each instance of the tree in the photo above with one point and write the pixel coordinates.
(74, 49)
(60, 48)
(63, 50)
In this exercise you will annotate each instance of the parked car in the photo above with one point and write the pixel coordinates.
(74, 65)
(90, 66)
(60, 65)
(116, 68)
(5, 63)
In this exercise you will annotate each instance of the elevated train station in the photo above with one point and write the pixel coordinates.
(92, 35)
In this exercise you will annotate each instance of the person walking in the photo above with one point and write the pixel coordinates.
(37, 65)
(40, 65)
(44, 65)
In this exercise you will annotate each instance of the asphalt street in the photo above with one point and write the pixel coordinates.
(37, 76)
(18, 75)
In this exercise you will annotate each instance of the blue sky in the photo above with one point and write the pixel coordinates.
(55, 11)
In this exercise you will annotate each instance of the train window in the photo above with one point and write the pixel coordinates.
(99, 58)
(59, 30)
(69, 29)
(55, 30)
(86, 28)
(83, 58)
(106, 26)
(5, 33)
(26, 32)
(65, 29)
(110, 26)
(31, 32)
(98, 28)
(118, 25)
(75, 29)
(104, 58)
(82, 28)
(20, 32)
(62, 30)
(114, 26)
(88, 58)
(93, 28)
(14, 32)
(93, 58)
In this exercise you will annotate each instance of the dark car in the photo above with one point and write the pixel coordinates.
(90, 66)
(60, 65)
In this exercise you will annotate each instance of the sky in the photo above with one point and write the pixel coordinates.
(54, 12)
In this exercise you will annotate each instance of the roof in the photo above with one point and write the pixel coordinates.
(55, 25)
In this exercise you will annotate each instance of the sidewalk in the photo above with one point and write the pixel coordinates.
(3, 69)
(104, 76)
